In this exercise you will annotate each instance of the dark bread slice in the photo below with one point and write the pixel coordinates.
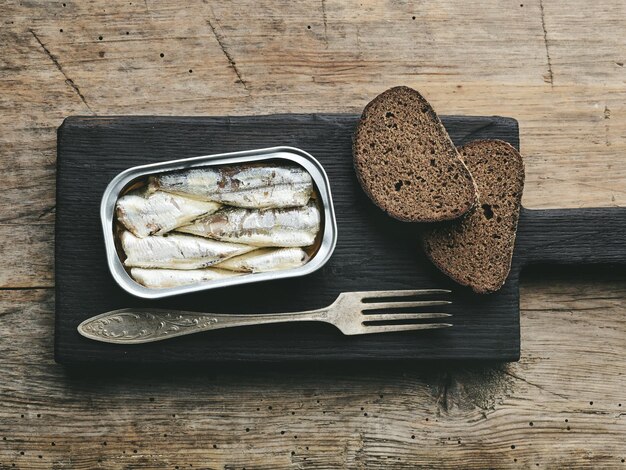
(477, 250)
(406, 162)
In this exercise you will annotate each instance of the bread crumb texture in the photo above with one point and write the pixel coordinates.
(477, 250)
(406, 162)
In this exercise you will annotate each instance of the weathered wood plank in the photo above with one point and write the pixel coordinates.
(28, 252)
(569, 387)
(555, 65)
(292, 70)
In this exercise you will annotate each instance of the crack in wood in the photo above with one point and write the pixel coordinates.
(511, 374)
(325, 22)
(46, 211)
(442, 396)
(545, 42)
(231, 61)
(68, 80)
(607, 116)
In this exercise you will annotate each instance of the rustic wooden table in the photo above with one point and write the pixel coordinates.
(555, 65)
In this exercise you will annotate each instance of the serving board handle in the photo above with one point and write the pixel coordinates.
(572, 236)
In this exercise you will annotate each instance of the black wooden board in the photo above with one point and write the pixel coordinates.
(373, 251)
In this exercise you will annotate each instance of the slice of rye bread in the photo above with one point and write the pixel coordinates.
(477, 250)
(406, 162)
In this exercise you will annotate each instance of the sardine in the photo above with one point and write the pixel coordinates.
(177, 251)
(249, 186)
(296, 226)
(156, 213)
(164, 278)
(266, 259)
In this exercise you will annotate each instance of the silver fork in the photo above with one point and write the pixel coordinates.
(354, 313)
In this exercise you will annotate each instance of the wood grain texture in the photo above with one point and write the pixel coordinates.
(558, 407)
(555, 65)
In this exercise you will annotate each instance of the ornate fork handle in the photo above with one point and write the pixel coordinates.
(133, 326)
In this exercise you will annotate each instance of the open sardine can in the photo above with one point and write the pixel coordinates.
(135, 178)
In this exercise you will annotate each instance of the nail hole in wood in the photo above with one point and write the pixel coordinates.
(162, 55)
(100, 38)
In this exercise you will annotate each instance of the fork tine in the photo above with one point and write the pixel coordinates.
(392, 328)
(404, 316)
(417, 303)
(376, 294)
